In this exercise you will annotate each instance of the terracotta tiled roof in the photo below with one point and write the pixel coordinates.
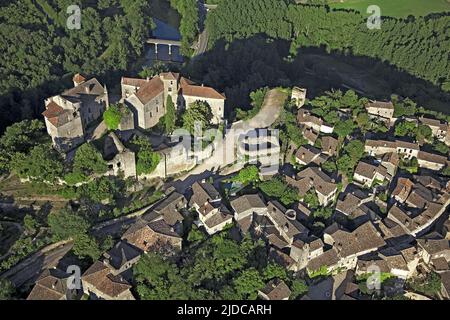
(78, 78)
(51, 285)
(368, 170)
(403, 188)
(170, 75)
(55, 114)
(202, 193)
(276, 290)
(134, 82)
(189, 89)
(329, 145)
(150, 89)
(100, 277)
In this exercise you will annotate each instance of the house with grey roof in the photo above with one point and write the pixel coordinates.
(381, 109)
(366, 174)
(275, 289)
(52, 284)
(347, 247)
(313, 178)
(206, 200)
(100, 284)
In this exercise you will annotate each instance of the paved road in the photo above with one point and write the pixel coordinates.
(269, 113)
(202, 43)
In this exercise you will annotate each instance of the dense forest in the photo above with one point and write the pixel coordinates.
(419, 46)
(37, 47)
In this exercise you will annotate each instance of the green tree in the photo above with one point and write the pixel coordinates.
(66, 224)
(171, 116)
(405, 128)
(440, 147)
(88, 160)
(112, 117)
(6, 289)
(311, 199)
(41, 164)
(197, 112)
(247, 175)
(274, 270)
(248, 283)
(279, 189)
(147, 159)
(344, 128)
(329, 166)
(298, 288)
(424, 132)
(195, 235)
(346, 165)
(355, 149)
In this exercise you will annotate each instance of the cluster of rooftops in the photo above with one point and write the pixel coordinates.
(395, 234)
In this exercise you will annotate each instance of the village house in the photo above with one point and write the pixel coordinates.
(99, 283)
(417, 223)
(246, 205)
(285, 222)
(52, 284)
(367, 174)
(446, 229)
(389, 260)
(330, 145)
(298, 96)
(431, 161)
(304, 250)
(147, 98)
(156, 235)
(306, 119)
(402, 189)
(347, 247)
(169, 209)
(275, 289)
(384, 110)
(390, 161)
(309, 154)
(445, 284)
(353, 205)
(432, 249)
(206, 200)
(310, 135)
(121, 257)
(407, 150)
(438, 128)
(68, 115)
(314, 179)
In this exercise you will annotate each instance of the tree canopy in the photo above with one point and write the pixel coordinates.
(198, 112)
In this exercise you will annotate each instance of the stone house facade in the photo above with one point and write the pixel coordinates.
(68, 115)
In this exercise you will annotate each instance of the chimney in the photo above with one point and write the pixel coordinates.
(78, 79)
(147, 79)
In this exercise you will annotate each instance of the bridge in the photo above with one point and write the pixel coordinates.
(169, 43)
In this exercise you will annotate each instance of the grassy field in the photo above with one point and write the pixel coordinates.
(397, 8)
